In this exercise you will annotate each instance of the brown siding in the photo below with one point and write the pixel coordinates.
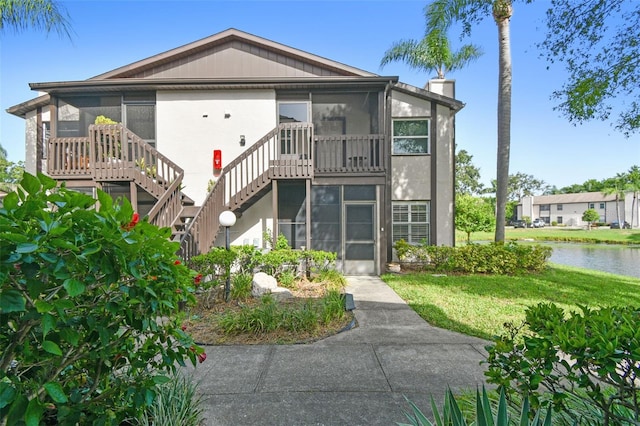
(235, 59)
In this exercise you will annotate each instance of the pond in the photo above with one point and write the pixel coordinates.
(621, 260)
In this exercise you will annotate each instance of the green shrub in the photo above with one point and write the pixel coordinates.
(593, 356)
(88, 307)
(247, 259)
(318, 261)
(213, 266)
(277, 261)
(176, 403)
(495, 258)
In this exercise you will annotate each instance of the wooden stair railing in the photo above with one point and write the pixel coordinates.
(283, 153)
(119, 154)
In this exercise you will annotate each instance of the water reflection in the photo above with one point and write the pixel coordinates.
(621, 260)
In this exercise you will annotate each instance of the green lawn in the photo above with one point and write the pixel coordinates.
(596, 235)
(479, 305)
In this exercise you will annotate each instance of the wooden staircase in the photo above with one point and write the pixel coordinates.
(286, 152)
(112, 154)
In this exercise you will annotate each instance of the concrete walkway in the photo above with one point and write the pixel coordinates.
(358, 377)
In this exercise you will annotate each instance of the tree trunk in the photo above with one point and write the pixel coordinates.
(502, 11)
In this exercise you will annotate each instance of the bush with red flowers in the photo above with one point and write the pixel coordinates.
(88, 304)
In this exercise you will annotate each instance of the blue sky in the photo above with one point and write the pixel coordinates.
(110, 34)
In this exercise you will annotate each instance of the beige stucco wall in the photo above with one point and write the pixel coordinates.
(410, 174)
(445, 164)
(403, 105)
(250, 228)
(30, 142)
(191, 124)
(413, 175)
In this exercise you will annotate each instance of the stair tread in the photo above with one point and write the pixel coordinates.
(189, 211)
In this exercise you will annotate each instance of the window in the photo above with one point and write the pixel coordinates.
(411, 222)
(602, 206)
(411, 136)
(140, 115)
(545, 207)
(559, 220)
(559, 207)
(592, 206)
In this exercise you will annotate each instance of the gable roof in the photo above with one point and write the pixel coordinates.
(580, 197)
(231, 59)
(233, 53)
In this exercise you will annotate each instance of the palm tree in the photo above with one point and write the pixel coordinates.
(440, 15)
(616, 186)
(44, 15)
(633, 176)
(432, 53)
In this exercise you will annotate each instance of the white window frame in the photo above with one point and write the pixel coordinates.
(411, 222)
(426, 137)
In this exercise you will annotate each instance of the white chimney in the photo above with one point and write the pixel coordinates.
(442, 87)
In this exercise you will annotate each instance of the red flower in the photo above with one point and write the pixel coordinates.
(134, 221)
(202, 357)
(197, 279)
(183, 327)
(177, 262)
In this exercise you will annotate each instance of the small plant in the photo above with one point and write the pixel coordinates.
(334, 280)
(241, 286)
(176, 403)
(148, 170)
(287, 279)
(485, 414)
(102, 119)
(332, 306)
(304, 319)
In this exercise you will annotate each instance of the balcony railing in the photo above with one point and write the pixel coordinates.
(349, 154)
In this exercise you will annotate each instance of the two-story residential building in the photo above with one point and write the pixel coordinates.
(567, 209)
(333, 157)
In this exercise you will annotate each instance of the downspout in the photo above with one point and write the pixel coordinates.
(39, 140)
(387, 232)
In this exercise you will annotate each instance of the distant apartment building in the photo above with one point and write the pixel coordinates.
(567, 209)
